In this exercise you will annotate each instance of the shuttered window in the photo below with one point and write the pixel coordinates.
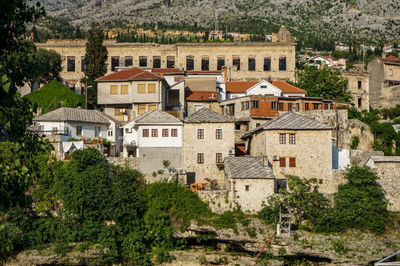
(292, 162)
(141, 109)
(114, 89)
(152, 88)
(282, 162)
(141, 88)
(152, 107)
(124, 89)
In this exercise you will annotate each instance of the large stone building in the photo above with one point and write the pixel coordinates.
(358, 85)
(384, 82)
(294, 145)
(244, 60)
(208, 138)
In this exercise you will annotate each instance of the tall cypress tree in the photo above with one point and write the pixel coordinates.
(95, 61)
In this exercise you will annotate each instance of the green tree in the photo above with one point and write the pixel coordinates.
(326, 83)
(78, 33)
(50, 65)
(95, 61)
(360, 203)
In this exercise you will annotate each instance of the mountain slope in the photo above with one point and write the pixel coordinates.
(328, 18)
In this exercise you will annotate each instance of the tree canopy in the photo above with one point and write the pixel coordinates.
(325, 82)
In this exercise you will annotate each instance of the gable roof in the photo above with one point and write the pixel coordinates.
(65, 114)
(240, 86)
(247, 167)
(130, 74)
(157, 117)
(391, 60)
(109, 117)
(205, 115)
(286, 87)
(202, 96)
(290, 121)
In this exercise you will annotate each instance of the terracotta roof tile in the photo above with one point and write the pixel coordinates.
(210, 96)
(130, 74)
(196, 72)
(168, 70)
(240, 86)
(286, 87)
(391, 59)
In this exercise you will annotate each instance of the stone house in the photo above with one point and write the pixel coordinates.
(250, 181)
(208, 138)
(294, 145)
(74, 123)
(154, 137)
(358, 85)
(387, 169)
(245, 60)
(196, 100)
(384, 82)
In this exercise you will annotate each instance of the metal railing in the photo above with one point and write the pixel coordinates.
(55, 131)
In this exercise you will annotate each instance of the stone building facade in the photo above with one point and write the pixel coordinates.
(244, 60)
(208, 138)
(358, 85)
(384, 82)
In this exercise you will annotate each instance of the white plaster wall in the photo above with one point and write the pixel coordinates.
(344, 159)
(160, 141)
(88, 130)
(257, 90)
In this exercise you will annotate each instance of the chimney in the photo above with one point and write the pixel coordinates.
(269, 79)
(225, 73)
(212, 96)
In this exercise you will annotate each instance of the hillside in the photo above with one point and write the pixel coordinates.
(54, 95)
(339, 19)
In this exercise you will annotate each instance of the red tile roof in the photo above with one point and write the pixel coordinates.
(168, 70)
(209, 96)
(130, 74)
(391, 59)
(240, 86)
(286, 87)
(197, 72)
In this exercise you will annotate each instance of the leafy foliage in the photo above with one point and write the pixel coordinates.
(54, 95)
(325, 82)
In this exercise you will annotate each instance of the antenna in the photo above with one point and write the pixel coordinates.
(216, 20)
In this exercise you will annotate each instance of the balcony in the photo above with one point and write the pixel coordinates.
(55, 131)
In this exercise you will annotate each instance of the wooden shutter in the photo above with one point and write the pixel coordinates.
(292, 162)
(124, 89)
(141, 88)
(282, 162)
(114, 89)
(152, 88)
(152, 107)
(141, 109)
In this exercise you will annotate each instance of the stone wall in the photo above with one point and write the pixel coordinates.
(218, 200)
(360, 94)
(389, 179)
(131, 162)
(151, 159)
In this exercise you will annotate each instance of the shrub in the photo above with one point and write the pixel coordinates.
(354, 143)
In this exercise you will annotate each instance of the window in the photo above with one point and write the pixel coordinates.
(258, 124)
(170, 61)
(242, 106)
(326, 106)
(359, 84)
(154, 133)
(246, 105)
(282, 138)
(220, 63)
(218, 157)
(71, 63)
(128, 61)
(274, 105)
(236, 62)
(118, 111)
(113, 89)
(165, 133)
(297, 107)
(205, 64)
(252, 64)
(292, 162)
(254, 104)
(143, 61)
(124, 89)
(390, 72)
(189, 63)
(79, 130)
(174, 132)
(320, 181)
(359, 101)
(152, 107)
(141, 88)
(145, 133)
(281, 106)
(114, 62)
(316, 106)
(218, 133)
(282, 162)
(96, 131)
(292, 138)
(290, 106)
(307, 106)
(200, 133)
(156, 62)
(267, 64)
(237, 126)
(110, 133)
(246, 187)
(152, 88)
(200, 158)
(83, 64)
(141, 109)
(282, 63)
